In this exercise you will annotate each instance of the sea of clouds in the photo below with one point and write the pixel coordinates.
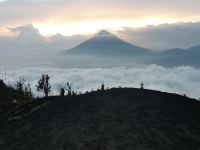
(181, 80)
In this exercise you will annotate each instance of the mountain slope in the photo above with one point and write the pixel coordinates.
(105, 43)
(113, 119)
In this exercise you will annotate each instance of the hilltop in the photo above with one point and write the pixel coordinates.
(131, 119)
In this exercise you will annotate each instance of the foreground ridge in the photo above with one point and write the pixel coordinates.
(111, 119)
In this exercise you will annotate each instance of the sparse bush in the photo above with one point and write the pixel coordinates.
(74, 93)
(62, 92)
(61, 89)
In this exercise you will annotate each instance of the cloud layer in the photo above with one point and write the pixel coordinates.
(182, 80)
(165, 36)
(29, 42)
(29, 46)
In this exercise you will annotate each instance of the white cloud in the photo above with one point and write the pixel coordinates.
(182, 80)
(28, 34)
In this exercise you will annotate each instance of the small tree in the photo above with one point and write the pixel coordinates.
(43, 85)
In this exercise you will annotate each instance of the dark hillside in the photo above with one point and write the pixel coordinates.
(116, 119)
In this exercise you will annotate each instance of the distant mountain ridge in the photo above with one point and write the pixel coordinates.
(106, 49)
(189, 56)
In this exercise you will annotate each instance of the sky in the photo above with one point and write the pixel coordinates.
(157, 24)
(88, 16)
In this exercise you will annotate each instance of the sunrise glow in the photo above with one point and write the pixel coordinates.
(87, 27)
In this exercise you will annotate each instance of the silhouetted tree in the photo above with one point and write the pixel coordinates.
(102, 87)
(5, 100)
(43, 85)
(2, 84)
(142, 86)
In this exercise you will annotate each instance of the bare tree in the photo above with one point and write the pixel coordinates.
(43, 85)
(69, 89)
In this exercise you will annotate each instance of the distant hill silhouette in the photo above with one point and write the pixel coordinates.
(116, 119)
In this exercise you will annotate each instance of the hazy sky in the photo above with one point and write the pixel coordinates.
(71, 17)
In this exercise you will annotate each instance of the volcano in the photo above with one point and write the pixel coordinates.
(106, 43)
